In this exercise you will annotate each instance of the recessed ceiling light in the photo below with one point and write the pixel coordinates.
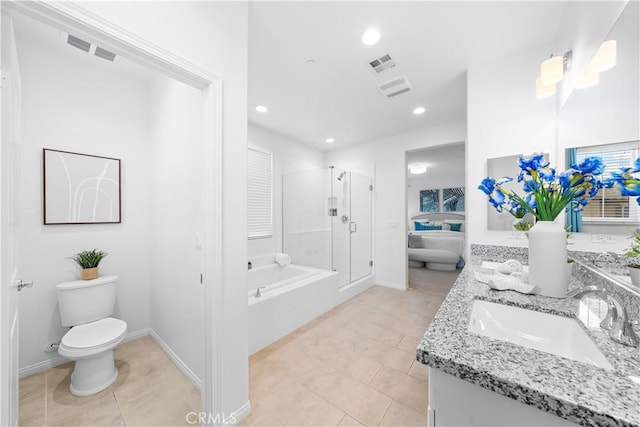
(419, 110)
(371, 37)
(261, 109)
(329, 140)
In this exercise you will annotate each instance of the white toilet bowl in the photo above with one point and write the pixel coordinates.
(91, 346)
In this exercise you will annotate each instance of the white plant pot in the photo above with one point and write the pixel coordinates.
(634, 274)
(548, 259)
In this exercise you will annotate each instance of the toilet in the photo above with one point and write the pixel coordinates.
(86, 306)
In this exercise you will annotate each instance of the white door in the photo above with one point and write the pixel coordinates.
(361, 226)
(9, 273)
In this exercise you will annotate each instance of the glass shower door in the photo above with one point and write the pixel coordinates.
(341, 218)
(360, 226)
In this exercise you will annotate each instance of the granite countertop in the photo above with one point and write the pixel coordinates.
(579, 392)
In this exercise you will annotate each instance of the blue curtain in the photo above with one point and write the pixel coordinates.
(574, 219)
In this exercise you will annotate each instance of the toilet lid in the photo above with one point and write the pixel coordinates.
(94, 334)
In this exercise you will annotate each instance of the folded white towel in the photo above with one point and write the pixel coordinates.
(510, 266)
(512, 283)
(283, 260)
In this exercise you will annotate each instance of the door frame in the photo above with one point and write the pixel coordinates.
(77, 20)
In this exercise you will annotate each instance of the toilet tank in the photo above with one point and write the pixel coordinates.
(84, 301)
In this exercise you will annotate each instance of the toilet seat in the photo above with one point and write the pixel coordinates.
(92, 338)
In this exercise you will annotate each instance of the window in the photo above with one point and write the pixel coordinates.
(260, 194)
(608, 205)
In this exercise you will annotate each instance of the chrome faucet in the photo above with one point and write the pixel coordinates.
(616, 323)
(249, 265)
(258, 294)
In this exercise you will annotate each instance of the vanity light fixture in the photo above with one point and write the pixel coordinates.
(552, 72)
(262, 108)
(370, 37)
(605, 58)
(329, 140)
(588, 80)
(417, 168)
(419, 110)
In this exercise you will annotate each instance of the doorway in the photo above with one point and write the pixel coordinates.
(208, 235)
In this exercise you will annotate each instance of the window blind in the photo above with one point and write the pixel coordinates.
(608, 204)
(260, 194)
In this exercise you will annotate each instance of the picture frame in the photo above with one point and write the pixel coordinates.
(80, 188)
(430, 200)
(453, 199)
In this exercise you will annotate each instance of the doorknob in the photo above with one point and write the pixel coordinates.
(22, 284)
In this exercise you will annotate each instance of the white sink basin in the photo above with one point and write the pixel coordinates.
(553, 334)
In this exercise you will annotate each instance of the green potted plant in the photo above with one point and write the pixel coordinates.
(88, 261)
(633, 254)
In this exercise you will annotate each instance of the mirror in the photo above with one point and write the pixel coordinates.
(603, 121)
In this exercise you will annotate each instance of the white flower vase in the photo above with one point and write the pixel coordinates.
(548, 259)
(634, 274)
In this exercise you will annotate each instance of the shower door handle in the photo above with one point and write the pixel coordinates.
(353, 227)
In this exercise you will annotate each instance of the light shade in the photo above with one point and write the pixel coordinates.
(588, 80)
(417, 168)
(544, 91)
(605, 58)
(552, 70)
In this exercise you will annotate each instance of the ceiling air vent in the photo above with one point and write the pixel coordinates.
(79, 43)
(395, 87)
(105, 54)
(381, 64)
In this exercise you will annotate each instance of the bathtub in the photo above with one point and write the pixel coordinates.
(292, 296)
(277, 280)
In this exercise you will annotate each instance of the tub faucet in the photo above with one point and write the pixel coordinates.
(258, 294)
(617, 321)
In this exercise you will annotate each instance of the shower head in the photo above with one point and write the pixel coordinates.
(342, 174)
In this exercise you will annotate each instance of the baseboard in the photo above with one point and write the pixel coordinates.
(391, 285)
(242, 413)
(36, 368)
(176, 360)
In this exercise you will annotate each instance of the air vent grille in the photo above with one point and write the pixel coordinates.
(105, 54)
(395, 87)
(79, 43)
(378, 65)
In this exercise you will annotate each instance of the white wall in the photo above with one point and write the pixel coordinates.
(504, 118)
(212, 35)
(288, 156)
(176, 294)
(384, 161)
(79, 104)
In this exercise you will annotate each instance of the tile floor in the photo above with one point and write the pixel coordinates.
(354, 365)
(149, 391)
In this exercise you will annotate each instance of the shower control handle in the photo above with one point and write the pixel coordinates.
(345, 219)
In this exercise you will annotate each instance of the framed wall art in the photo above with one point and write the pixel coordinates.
(429, 200)
(453, 199)
(80, 188)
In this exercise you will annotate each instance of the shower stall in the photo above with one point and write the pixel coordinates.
(327, 221)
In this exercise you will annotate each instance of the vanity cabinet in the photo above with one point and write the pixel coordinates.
(455, 402)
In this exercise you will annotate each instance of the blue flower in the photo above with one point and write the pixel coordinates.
(548, 174)
(532, 163)
(487, 185)
(590, 165)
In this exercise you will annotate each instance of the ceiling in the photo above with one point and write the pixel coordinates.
(55, 42)
(439, 160)
(433, 44)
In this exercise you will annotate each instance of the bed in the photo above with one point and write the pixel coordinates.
(436, 241)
